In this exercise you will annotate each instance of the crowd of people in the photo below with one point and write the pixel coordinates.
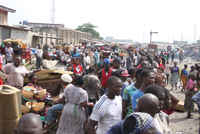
(110, 92)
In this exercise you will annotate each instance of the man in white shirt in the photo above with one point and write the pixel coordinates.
(108, 110)
(15, 73)
(87, 61)
(39, 56)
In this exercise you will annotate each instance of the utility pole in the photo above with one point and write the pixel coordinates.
(151, 33)
(194, 32)
(182, 36)
(53, 12)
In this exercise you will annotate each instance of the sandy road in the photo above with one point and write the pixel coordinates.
(178, 120)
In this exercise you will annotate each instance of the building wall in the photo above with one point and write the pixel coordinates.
(49, 35)
(59, 33)
(74, 37)
(10, 33)
(4, 33)
(3, 17)
(41, 25)
(25, 36)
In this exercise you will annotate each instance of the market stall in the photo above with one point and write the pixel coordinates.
(38, 98)
(19, 47)
(49, 79)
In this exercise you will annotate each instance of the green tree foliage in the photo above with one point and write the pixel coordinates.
(89, 28)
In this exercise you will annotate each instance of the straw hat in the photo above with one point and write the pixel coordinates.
(66, 78)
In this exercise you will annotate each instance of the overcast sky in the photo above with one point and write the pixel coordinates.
(123, 19)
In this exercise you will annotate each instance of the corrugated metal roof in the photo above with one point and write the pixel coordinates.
(17, 28)
(45, 25)
(7, 9)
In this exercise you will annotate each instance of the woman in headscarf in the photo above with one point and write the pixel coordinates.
(53, 112)
(136, 123)
(174, 75)
(74, 114)
(184, 77)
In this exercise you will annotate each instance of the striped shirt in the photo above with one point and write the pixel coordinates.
(107, 113)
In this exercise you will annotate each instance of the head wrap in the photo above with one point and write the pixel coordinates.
(144, 122)
(66, 78)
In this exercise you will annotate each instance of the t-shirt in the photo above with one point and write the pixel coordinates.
(87, 60)
(184, 72)
(15, 75)
(127, 96)
(175, 70)
(123, 87)
(136, 95)
(77, 69)
(9, 52)
(190, 84)
(39, 53)
(107, 113)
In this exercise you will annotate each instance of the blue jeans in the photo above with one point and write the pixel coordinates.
(52, 114)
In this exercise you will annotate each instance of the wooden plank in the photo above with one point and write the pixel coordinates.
(49, 81)
(180, 106)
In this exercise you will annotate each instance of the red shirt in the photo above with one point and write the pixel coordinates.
(77, 69)
(105, 76)
(162, 66)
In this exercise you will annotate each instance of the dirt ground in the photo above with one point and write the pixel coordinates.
(179, 122)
